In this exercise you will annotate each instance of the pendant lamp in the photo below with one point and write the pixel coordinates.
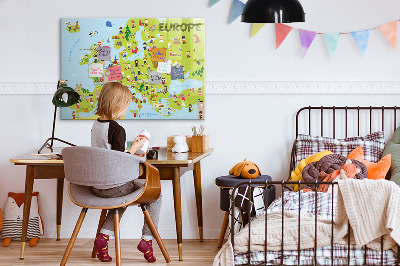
(63, 97)
(273, 11)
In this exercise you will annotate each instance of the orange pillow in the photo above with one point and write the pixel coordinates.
(375, 170)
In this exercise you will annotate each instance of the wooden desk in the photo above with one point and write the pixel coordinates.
(169, 165)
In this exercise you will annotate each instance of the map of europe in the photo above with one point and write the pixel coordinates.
(161, 60)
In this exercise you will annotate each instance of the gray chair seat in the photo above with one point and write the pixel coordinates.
(83, 196)
(85, 167)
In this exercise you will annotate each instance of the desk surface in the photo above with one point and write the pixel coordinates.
(164, 157)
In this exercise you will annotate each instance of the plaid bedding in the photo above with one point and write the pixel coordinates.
(324, 257)
(372, 145)
(322, 207)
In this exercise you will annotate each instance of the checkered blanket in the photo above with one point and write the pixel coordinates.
(324, 206)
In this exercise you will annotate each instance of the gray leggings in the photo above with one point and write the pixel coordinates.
(154, 208)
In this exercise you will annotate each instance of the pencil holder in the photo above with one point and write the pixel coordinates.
(200, 143)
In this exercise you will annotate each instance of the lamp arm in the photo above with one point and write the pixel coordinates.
(54, 126)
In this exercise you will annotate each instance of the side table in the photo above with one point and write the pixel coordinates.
(226, 183)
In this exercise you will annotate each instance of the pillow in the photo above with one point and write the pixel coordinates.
(296, 174)
(393, 148)
(375, 170)
(329, 164)
(372, 144)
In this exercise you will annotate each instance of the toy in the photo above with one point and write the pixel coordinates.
(375, 170)
(180, 144)
(296, 174)
(245, 169)
(348, 170)
(13, 215)
(317, 171)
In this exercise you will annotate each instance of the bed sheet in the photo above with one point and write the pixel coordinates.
(324, 206)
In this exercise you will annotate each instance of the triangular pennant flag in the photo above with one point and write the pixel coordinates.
(361, 37)
(281, 31)
(213, 2)
(306, 39)
(237, 9)
(256, 27)
(332, 41)
(389, 30)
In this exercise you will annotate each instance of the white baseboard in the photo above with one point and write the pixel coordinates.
(247, 87)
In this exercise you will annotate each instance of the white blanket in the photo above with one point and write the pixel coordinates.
(371, 206)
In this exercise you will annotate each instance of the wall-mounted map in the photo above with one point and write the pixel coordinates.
(161, 60)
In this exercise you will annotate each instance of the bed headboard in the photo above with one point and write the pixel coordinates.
(344, 121)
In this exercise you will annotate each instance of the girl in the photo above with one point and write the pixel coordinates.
(106, 133)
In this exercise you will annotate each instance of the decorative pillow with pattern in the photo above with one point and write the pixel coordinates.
(372, 145)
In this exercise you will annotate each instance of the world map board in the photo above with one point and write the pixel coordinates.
(161, 60)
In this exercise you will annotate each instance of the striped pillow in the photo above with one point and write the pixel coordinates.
(372, 145)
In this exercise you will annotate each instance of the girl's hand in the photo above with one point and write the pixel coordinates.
(137, 144)
(142, 155)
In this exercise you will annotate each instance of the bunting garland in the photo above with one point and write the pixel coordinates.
(237, 8)
(389, 30)
(281, 31)
(332, 41)
(256, 28)
(213, 2)
(306, 39)
(361, 37)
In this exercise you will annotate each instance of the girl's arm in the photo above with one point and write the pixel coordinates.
(136, 145)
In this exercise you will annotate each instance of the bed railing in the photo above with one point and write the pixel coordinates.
(264, 186)
(333, 120)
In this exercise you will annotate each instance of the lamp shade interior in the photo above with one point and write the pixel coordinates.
(65, 96)
(273, 11)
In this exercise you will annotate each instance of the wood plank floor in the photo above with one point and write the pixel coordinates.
(50, 252)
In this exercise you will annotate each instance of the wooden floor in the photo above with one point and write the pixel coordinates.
(50, 252)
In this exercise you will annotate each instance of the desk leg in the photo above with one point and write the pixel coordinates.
(60, 190)
(176, 182)
(27, 206)
(199, 204)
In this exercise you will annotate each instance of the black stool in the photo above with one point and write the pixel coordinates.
(226, 183)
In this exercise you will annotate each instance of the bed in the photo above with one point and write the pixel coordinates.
(298, 227)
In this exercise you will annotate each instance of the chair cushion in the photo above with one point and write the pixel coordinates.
(83, 196)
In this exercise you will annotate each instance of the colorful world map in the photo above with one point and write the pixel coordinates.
(161, 60)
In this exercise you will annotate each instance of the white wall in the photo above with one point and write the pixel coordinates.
(259, 127)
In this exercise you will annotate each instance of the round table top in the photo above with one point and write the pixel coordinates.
(230, 181)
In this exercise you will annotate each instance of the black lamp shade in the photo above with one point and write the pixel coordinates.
(73, 96)
(273, 11)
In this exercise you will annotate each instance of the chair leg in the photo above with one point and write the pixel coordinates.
(117, 239)
(154, 230)
(73, 237)
(101, 222)
(223, 229)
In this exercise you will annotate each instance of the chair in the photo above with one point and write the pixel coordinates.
(85, 167)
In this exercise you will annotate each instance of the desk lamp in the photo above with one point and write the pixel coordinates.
(63, 97)
(273, 11)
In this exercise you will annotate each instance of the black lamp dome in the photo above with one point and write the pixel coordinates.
(273, 11)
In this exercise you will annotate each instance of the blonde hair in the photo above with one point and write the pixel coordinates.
(113, 98)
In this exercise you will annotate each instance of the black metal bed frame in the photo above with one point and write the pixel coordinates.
(284, 184)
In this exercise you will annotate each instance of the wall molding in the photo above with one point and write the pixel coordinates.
(247, 87)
